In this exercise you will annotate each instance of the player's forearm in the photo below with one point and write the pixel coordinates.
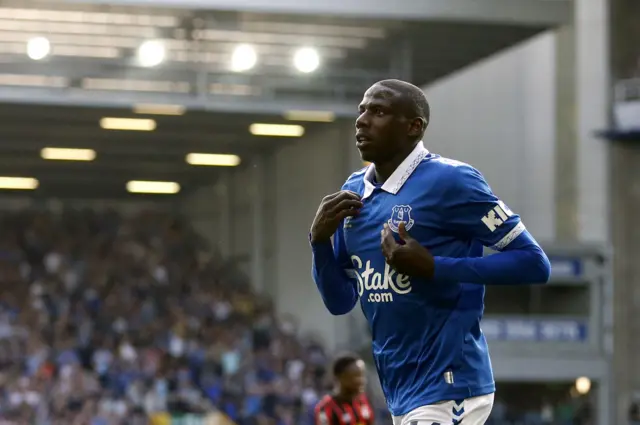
(338, 291)
(522, 262)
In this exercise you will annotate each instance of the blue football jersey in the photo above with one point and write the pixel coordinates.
(427, 342)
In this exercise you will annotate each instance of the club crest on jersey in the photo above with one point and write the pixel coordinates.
(400, 213)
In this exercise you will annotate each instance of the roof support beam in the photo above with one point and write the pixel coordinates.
(532, 12)
(244, 105)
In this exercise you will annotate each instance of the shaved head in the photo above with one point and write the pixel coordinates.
(412, 101)
(393, 118)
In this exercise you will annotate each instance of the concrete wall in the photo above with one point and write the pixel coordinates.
(265, 209)
(625, 193)
(303, 173)
(499, 115)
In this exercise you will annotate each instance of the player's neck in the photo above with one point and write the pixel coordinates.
(385, 169)
(343, 396)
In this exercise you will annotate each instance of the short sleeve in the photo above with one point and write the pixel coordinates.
(473, 211)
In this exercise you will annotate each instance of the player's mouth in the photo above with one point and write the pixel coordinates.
(362, 139)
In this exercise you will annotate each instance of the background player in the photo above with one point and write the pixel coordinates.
(408, 235)
(348, 403)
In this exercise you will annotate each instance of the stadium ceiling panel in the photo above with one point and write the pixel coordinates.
(195, 52)
(118, 156)
(496, 11)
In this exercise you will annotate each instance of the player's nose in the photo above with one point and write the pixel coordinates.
(362, 121)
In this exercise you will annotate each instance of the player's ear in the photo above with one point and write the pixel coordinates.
(417, 126)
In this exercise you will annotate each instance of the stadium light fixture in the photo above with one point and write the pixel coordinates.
(276, 130)
(67, 154)
(19, 183)
(151, 53)
(153, 187)
(312, 116)
(244, 58)
(128, 124)
(157, 109)
(213, 159)
(38, 48)
(583, 385)
(306, 59)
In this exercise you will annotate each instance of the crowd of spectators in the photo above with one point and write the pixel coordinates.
(111, 320)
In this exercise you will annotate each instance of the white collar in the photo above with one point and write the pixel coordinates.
(394, 183)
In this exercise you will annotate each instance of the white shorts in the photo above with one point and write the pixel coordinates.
(474, 411)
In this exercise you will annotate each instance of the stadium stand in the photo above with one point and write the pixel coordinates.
(108, 321)
(112, 320)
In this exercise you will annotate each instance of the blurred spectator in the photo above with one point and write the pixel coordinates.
(546, 413)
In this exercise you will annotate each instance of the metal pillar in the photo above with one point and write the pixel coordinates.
(225, 220)
(566, 186)
(593, 89)
(258, 203)
(625, 193)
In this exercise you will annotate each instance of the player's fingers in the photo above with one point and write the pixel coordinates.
(382, 241)
(387, 236)
(402, 232)
(333, 200)
(329, 200)
(345, 204)
(354, 194)
(341, 215)
(387, 242)
(383, 244)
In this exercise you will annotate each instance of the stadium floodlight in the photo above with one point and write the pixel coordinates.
(151, 53)
(153, 187)
(276, 130)
(38, 48)
(159, 109)
(306, 59)
(19, 183)
(312, 116)
(213, 159)
(127, 124)
(244, 58)
(583, 385)
(67, 154)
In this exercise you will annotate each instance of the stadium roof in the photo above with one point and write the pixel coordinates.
(94, 61)
(120, 156)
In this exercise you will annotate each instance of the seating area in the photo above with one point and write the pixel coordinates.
(109, 320)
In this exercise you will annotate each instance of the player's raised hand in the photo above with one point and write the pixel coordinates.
(407, 257)
(332, 210)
